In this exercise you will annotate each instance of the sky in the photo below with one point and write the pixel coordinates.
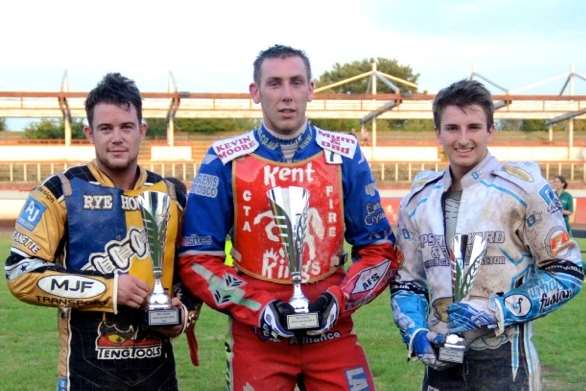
(209, 45)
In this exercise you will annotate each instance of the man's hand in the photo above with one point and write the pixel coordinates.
(463, 317)
(328, 311)
(132, 292)
(423, 345)
(273, 320)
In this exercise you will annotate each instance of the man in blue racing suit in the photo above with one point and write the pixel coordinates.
(229, 196)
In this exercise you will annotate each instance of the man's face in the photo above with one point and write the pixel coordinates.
(283, 93)
(464, 134)
(116, 134)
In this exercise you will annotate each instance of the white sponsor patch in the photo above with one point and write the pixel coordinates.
(205, 185)
(231, 148)
(340, 143)
(357, 379)
(71, 287)
(519, 305)
(332, 157)
(369, 278)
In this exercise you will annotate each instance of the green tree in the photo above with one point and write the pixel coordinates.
(2, 124)
(387, 65)
(158, 126)
(213, 125)
(52, 128)
(532, 125)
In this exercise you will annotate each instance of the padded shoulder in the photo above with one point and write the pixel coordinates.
(230, 148)
(421, 181)
(525, 175)
(340, 143)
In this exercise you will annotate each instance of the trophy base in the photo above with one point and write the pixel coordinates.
(453, 350)
(163, 317)
(303, 321)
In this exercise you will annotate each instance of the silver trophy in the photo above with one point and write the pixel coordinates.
(289, 206)
(463, 276)
(154, 208)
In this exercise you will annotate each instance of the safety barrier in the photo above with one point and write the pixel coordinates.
(384, 172)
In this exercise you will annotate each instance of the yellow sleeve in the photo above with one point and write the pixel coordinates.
(34, 271)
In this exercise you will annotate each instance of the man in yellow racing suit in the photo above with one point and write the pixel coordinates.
(79, 245)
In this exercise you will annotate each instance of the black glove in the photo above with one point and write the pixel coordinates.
(328, 311)
(273, 321)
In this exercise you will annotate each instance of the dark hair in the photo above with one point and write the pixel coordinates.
(114, 89)
(463, 93)
(279, 51)
(562, 179)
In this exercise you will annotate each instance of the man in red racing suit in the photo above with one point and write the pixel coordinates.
(229, 196)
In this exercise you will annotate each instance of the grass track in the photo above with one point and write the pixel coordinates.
(28, 337)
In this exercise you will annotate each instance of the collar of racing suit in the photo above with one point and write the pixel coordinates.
(482, 170)
(105, 180)
(268, 140)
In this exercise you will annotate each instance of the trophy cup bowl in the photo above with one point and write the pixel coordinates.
(154, 208)
(289, 206)
(463, 276)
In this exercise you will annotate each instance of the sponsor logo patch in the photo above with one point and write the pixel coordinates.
(557, 240)
(206, 185)
(369, 278)
(305, 340)
(118, 254)
(551, 199)
(118, 343)
(72, 287)
(374, 214)
(97, 202)
(357, 379)
(534, 219)
(196, 240)
(519, 305)
(518, 172)
(554, 298)
(276, 174)
(31, 214)
(231, 148)
(340, 143)
(129, 203)
(25, 241)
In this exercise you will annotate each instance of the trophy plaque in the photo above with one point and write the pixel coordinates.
(463, 276)
(154, 208)
(289, 206)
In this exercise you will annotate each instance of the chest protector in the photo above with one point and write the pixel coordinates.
(94, 218)
(258, 250)
(105, 227)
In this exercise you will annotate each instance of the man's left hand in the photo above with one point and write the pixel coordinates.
(463, 317)
(174, 331)
(328, 311)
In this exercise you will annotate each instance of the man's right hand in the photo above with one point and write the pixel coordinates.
(132, 292)
(274, 319)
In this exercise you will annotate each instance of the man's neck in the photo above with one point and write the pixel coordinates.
(288, 136)
(125, 179)
(456, 180)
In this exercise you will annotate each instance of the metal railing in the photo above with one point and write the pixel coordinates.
(384, 172)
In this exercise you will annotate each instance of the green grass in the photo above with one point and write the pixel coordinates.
(28, 337)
